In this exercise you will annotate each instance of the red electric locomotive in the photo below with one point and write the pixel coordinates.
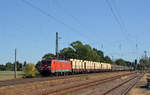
(54, 66)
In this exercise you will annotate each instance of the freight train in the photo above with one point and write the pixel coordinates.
(52, 66)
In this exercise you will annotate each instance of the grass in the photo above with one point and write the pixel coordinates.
(7, 75)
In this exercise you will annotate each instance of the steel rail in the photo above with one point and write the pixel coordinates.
(32, 80)
(130, 87)
(119, 85)
(75, 87)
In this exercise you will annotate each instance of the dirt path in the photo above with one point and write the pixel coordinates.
(141, 88)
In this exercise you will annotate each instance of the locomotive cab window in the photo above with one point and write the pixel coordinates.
(46, 62)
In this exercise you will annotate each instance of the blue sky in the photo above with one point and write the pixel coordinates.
(91, 21)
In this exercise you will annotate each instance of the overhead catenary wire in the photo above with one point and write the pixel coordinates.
(54, 18)
(123, 24)
(120, 21)
(75, 18)
(47, 14)
(129, 36)
(66, 11)
(118, 18)
(114, 14)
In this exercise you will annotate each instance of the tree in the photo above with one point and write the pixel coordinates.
(78, 50)
(120, 62)
(76, 45)
(48, 55)
(38, 65)
(9, 66)
(100, 54)
(19, 66)
(144, 63)
(24, 64)
(107, 59)
(2, 67)
(30, 70)
(83, 52)
(94, 56)
(67, 53)
(129, 64)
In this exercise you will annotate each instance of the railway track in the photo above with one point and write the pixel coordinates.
(121, 88)
(32, 80)
(79, 86)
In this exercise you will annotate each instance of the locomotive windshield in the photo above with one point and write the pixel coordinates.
(46, 62)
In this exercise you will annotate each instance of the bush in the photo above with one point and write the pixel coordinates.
(30, 71)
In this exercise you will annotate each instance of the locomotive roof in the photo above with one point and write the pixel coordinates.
(62, 60)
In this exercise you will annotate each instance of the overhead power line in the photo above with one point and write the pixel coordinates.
(114, 14)
(118, 18)
(65, 11)
(47, 14)
(129, 36)
(121, 20)
(58, 4)
(56, 19)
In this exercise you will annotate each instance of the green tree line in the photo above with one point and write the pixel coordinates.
(10, 66)
(78, 50)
